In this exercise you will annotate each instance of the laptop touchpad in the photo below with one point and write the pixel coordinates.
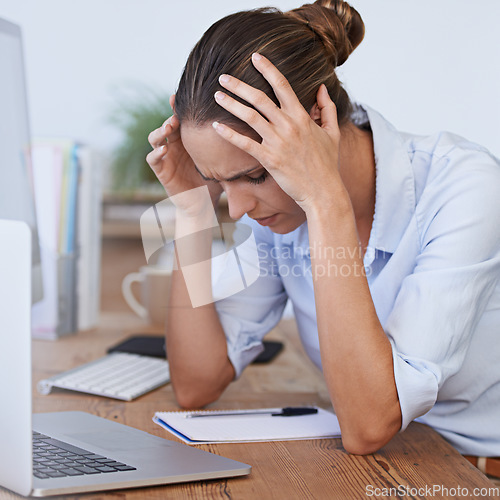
(116, 440)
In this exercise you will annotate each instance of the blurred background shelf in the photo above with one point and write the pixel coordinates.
(121, 213)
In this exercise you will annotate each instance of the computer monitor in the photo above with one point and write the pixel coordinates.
(17, 200)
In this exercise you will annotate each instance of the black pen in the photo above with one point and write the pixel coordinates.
(289, 411)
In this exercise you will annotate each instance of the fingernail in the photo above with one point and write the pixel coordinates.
(256, 56)
(219, 95)
(167, 122)
(217, 126)
(224, 78)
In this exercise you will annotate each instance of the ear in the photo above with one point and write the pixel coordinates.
(315, 114)
(171, 101)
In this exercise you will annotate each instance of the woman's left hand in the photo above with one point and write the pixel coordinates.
(299, 154)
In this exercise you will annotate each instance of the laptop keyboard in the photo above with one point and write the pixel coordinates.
(54, 458)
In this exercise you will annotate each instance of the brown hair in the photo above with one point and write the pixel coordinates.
(305, 44)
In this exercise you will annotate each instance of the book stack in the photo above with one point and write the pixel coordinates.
(67, 186)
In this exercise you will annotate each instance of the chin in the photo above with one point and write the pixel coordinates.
(286, 227)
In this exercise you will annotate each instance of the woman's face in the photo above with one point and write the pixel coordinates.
(248, 187)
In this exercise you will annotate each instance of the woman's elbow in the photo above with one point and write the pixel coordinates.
(364, 445)
(191, 398)
(197, 392)
(370, 439)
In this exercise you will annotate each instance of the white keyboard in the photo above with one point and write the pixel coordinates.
(118, 375)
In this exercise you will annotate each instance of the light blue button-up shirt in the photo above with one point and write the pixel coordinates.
(433, 267)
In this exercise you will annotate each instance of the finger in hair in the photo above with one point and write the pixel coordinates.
(256, 98)
(327, 109)
(281, 86)
(249, 115)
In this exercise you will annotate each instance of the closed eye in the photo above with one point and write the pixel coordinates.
(258, 180)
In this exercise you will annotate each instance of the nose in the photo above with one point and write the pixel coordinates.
(239, 201)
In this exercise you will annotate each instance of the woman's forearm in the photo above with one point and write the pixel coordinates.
(196, 343)
(197, 351)
(355, 351)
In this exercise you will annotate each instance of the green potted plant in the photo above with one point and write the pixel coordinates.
(137, 111)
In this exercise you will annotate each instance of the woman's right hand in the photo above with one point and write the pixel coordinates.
(171, 162)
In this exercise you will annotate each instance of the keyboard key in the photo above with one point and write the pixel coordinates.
(49, 463)
(56, 473)
(41, 468)
(72, 464)
(71, 472)
(125, 467)
(93, 464)
(105, 469)
(87, 470)
(112, 463)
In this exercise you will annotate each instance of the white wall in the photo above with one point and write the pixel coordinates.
(431, 65)
(425, 64)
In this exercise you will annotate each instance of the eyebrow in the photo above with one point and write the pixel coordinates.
(233, 178)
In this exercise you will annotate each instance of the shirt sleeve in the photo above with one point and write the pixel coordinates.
(247, 316)
(440, 304)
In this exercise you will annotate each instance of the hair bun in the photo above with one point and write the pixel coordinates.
(338, 25)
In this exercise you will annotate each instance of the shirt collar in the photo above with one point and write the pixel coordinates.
(395, 185)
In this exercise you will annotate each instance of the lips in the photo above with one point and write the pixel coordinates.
(266, 221)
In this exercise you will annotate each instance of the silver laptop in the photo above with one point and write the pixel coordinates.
(72, 452)
(64, 452)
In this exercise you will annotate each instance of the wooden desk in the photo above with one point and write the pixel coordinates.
(314, 469)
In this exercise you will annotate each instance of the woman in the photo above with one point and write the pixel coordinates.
(396, 235)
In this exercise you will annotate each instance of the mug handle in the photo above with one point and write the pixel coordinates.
(129, 297)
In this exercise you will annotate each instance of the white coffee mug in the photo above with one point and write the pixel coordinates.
(155, 291)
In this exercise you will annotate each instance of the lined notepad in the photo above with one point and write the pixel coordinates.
(247, 428)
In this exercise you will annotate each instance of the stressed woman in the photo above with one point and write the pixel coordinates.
(386, 244)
